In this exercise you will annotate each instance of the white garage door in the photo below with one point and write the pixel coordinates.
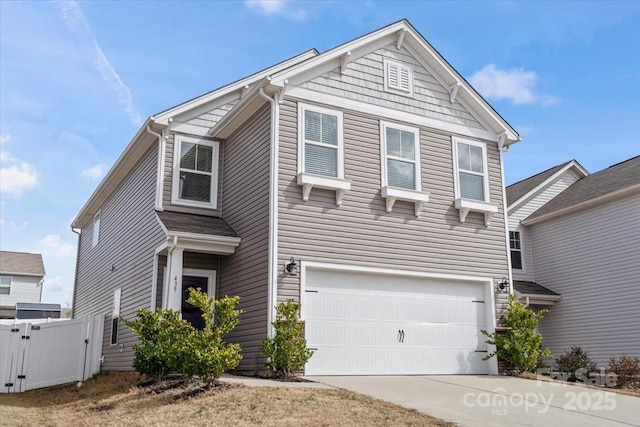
(370, 324)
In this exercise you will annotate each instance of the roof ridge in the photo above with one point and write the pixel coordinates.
(544, 171)
(618, 164)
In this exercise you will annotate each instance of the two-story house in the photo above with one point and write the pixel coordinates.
(365, 182)
(21, 279)
(574, 250)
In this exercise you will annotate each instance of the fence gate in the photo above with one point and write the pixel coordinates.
(35, 355)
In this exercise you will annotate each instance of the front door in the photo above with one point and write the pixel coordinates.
(190, 313)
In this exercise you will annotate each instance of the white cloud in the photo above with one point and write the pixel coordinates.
(54, 284)
(53, 246)
(76, 21)
(516, 85)
(94, 172)
(5, 138)
(15, 176)
(277, 7)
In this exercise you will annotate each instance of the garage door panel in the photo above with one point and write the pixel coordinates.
(366, 324)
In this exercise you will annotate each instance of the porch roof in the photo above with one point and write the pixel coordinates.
(532, 288)
(176, 222)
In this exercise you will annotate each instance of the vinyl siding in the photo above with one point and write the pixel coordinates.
(129, 234)
(591, 258)
(529, 207)
(210, 118)
(168, 182)
(361, 232)
(23, 289)
(363, 80)
(246, 210)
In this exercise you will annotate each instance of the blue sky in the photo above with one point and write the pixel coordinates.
(78, 78)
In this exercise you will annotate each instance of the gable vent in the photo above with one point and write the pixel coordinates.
(398, 78)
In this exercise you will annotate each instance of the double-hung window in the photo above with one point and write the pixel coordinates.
(195, 173)
(515, 246)
(321, 151)
(96, 229)
(5, 285)
(400, 148)
(472, 170)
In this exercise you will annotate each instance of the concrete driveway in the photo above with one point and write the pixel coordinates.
(470, 400)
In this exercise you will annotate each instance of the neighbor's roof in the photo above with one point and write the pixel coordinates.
(610, 182)
(196, 224)
(21, 263)
(531, 288)
(519, 189)
(38, 306)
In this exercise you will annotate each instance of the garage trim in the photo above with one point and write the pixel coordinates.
(488, 283)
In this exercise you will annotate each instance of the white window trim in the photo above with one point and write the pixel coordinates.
(5, 286)
(470, 205)
(215, 145)
(115, 314)
(391, 194)
(308, 180)
(521, 250)
(387, 88)
(209, 274)
(96, 229)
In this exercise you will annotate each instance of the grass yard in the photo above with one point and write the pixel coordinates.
(113, 400)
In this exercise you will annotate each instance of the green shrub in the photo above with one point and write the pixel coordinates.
(287, 351)
(519, 347)
(169, 344)
(575, 361)
(208, 356)
(627, 371)
(162, 337)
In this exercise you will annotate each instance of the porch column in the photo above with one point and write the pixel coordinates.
(174, 291)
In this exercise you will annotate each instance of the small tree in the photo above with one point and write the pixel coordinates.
(208, 356)
(520, 347)
(576, 361)
(287, 350)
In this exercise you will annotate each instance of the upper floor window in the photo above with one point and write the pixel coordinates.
(96, 229)
(398, 78)
(320, 142)
(195, 172)
(515, 246)
(5, 285)
(470, 163)
(401, 156)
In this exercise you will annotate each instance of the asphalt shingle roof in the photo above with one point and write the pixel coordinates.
(198, 224)
(531, 288)
(21, 263)
(520, 188)
(606, 181)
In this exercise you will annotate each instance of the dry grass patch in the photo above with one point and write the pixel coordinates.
(113, 400)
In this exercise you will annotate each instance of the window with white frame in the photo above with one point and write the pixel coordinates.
(115, 316)
(96, 229)
(398, 78)
(5, 285)
(321, 142)
(401, 156)
(471, 170)
(195, 177)
(515, 247)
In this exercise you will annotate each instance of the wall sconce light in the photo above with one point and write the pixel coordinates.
(504, 285)
(291, 267)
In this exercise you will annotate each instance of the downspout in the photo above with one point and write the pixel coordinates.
(526, 304)
(506, 219)
(170, 249)
(273, 212)
(160, 175)
(75, 278)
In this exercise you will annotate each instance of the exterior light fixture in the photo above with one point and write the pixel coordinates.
(291, 267)
(504, 285)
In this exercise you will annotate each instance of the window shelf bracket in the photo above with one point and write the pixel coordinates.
(340, 186)
(466, 206)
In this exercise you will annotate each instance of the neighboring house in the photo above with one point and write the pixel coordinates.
(575, 249)
(365, 182)
(21, 279)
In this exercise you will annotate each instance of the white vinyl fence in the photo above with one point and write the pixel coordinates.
(36, 354)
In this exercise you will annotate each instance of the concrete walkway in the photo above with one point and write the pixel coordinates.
(470, 400)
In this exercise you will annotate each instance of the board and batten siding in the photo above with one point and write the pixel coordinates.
(527, 208)
(23, 289)
(591, 258)
(363, 80)
(361, 232)
(123, 258)
(246, 210)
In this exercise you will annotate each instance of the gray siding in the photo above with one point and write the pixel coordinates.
(363, 80)
(361, 232)
(129, 234)
(527, 208)
(246, 210)
(591, 258)
(168, 182)
(210, 118)
(23, 289)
